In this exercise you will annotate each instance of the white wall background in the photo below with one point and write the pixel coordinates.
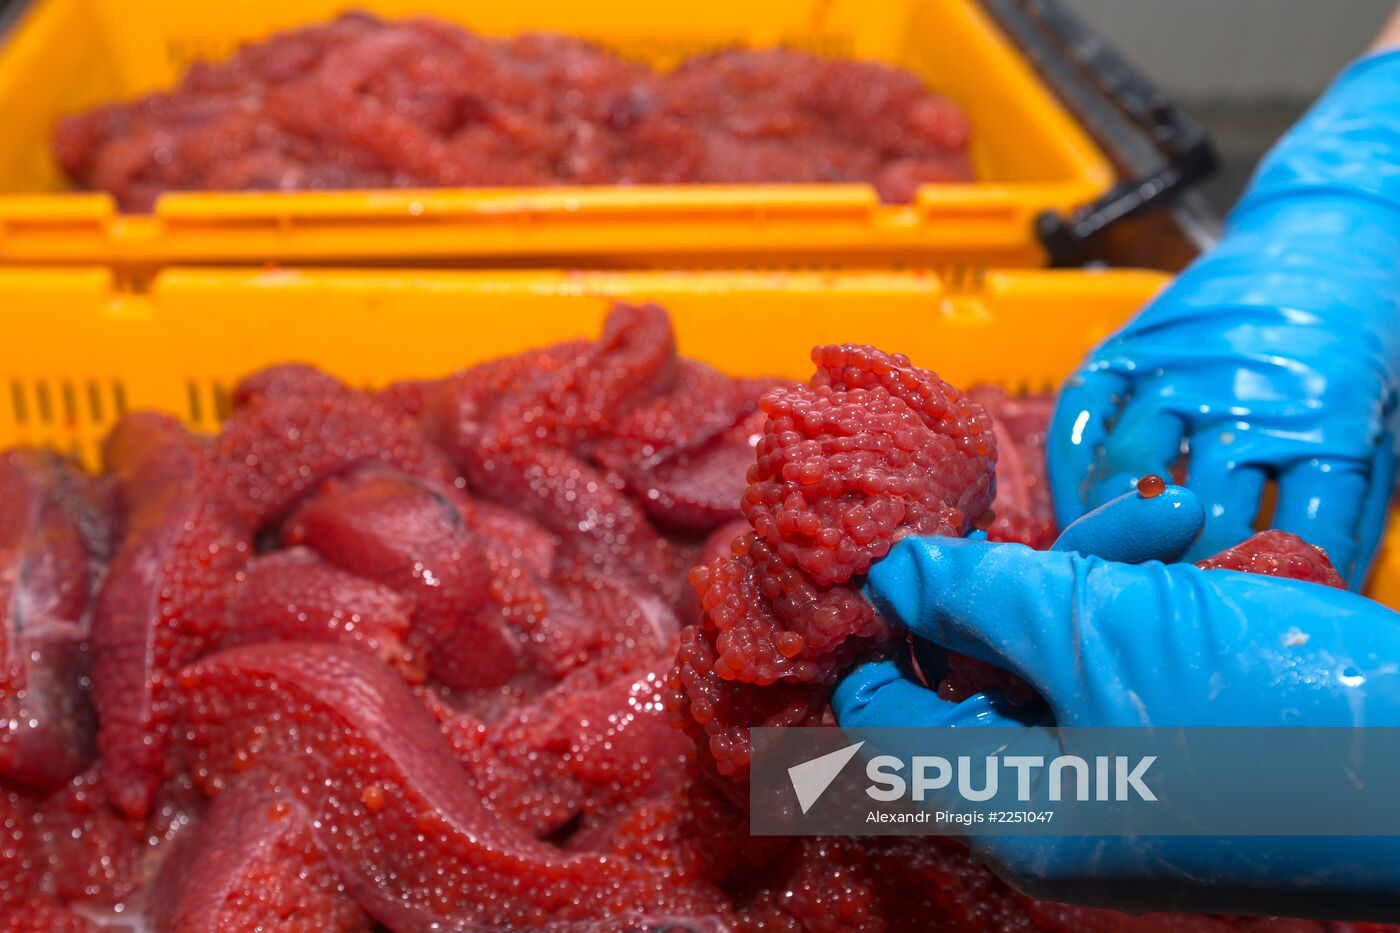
(1238, 50)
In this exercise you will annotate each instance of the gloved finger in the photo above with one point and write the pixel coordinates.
(1321, 501)
(1107, 643)
(1086, 406)
(1375, 512)
(1146, 439)
(882, 695)
(1229, 489)
(1004, 604)
(1132, 529)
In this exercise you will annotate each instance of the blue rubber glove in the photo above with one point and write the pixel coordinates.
(1112, 643)
(1275, 355)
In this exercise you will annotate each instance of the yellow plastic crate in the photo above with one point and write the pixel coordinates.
(67, 55)
(80, 349)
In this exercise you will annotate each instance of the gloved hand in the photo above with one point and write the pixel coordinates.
(1275, 356)
(1112, 643)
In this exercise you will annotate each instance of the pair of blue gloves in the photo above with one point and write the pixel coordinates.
(1273, 359)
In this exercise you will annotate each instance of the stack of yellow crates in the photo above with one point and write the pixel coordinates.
(103, 312)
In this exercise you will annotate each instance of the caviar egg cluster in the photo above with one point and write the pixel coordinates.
(360, 102)
(410, 659)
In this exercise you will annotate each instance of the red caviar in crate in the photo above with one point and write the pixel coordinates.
(413, 659)
(363, 103)
(1023, 512)
(55, 535)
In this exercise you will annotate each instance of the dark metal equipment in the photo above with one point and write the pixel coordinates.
(1152, 216)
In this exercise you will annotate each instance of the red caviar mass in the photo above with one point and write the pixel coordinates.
(364, 103)
(1278, 554)
(413, 659)
(873, 447)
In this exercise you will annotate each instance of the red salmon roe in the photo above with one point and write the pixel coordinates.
(365, 103)
(410, 660)
(1024, 513)
(873, 449)
(968, 676)
(165, 598)
(1151, 486)
(55, 526)
(1276, 553)
(252, 861)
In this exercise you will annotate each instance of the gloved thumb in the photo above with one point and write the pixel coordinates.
(1004, 604)
(1134, 528)
(973, 582)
